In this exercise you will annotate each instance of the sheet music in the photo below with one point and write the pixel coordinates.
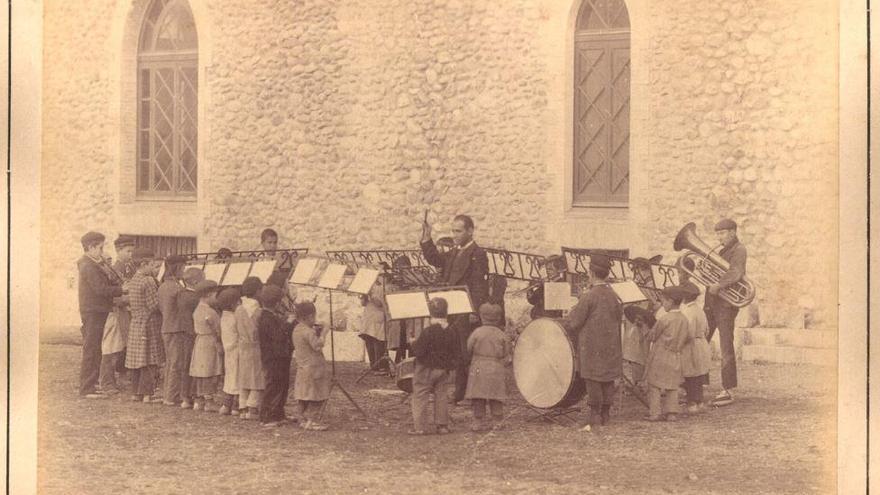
(363, 280)
(557, 296)
(263, 269)
(236, 273)
(332, 276)
(457, 301)
(407, 305)
(304, 270)
(628, 292)
(214, 271)
(161, 272)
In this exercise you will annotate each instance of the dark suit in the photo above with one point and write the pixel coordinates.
(468, 267)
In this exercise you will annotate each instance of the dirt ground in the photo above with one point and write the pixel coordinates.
(778, 437)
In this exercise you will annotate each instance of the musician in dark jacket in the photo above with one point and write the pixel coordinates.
(595, 319)
(721, 314)
(96, 293)
(465, 264)
(437, 352)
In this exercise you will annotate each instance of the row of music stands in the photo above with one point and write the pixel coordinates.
(331, 275)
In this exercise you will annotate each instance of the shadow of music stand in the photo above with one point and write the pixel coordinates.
(330, 275)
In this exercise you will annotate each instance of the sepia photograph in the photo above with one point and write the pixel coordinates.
(438, 246)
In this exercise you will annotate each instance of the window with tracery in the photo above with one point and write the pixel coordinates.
(167, 137)
(601, 104)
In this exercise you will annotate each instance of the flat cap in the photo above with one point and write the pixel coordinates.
(142, 254)
(123, 241)
(205, 286)
(491, 314)
(725, 224)
(251, 286)
(227, 298)
(690, 289)
(675, 292)
(92, 237)
(193, 275)
(175, 259)
(270, 295)
(304, 309)
(600, 261)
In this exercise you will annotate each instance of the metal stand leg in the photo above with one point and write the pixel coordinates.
(334, 383)
(555, 415)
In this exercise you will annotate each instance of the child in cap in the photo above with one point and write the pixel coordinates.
(187, 301)
(274, 331)
(312, 385)
(637, 342)
(695, 355)
(663, 371)
(489, 349)
(251, 377)
(437, 352)
(227, 301)
(145, 352)
(207, 363)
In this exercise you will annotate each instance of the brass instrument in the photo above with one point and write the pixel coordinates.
(709, 266)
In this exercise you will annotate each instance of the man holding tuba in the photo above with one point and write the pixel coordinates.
(721, 314)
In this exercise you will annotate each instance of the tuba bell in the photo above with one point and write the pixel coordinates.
(709, 267)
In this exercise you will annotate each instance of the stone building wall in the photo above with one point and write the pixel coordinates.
(340, 122)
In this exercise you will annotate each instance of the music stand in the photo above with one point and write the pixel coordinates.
(628, 292)
(328, 274)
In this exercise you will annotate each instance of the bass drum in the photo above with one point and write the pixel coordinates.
(544, 366)
(405, 371)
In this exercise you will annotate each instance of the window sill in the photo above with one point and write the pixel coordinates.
(604, 212)
(165, 199)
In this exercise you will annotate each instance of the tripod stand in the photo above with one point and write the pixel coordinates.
(334, 383)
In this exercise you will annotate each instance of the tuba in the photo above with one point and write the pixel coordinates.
(710, 266)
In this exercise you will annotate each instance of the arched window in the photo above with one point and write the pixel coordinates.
(167, 102)
(601, 104)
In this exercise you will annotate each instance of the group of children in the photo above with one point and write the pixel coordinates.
(228, 351)
(678, 351)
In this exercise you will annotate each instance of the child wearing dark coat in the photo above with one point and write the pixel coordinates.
(276, 349)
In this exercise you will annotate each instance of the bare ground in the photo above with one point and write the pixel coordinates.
(778, 437)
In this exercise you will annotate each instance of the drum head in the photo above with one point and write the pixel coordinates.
(543, 363)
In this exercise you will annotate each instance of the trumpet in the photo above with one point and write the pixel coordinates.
(709, 267)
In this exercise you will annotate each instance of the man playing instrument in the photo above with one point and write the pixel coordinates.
(721, 314)
(96, 293)
(464, 264)
(595, 320)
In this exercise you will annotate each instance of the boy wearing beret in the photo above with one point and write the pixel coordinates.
(663, 371)
(96, 293)
(206, 365)
(187, 301)
(595, 320)
(251, 376)
(489, 351)
(116, 334)
(312, 386)
(695, 356)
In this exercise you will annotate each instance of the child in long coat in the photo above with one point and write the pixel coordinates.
(227, 301)
(274, 330)
(489, 349)
(312, 385)
(251, 377)
(695, 355)
(207, 361)
(663, 370)
(145, 351)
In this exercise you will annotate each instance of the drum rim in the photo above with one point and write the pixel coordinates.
(574, 373)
